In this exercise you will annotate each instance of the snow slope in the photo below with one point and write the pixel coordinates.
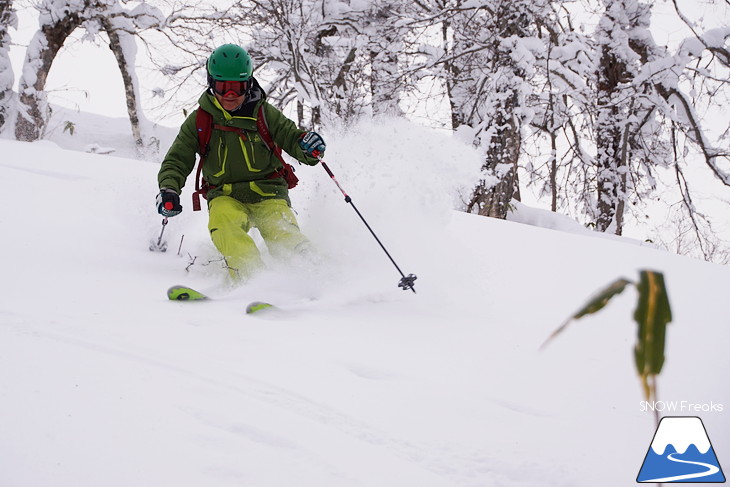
(103, 381)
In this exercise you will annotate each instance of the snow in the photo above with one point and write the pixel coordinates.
(103, 381)
(716, 37)
(146, 16)
(692, 46)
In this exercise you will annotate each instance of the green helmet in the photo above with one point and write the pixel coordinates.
(229, 63)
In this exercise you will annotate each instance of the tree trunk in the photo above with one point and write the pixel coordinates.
(341, 89)
(452, 71)
(323, 51)
(501, 122)
(32, 115)
(300, 113)
(7, 19)
(608, 185)
(126, 67)
(384, 62)
(610, 158)
(554, 171)
(501, 161)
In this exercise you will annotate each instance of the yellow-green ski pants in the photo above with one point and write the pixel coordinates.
(230, 220)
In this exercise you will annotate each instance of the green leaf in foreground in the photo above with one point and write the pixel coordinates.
(652, 314)
(597, 303)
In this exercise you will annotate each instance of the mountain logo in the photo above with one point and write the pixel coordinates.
(681, 452)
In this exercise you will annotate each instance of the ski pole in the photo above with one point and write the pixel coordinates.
(164, 224)
(406, 282)
(160, 246)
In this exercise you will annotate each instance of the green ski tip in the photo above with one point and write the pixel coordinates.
(183, 293)
(257, 306)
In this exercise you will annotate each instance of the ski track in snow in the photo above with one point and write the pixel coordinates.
(356, 385)
(47, 173)
(467, 468)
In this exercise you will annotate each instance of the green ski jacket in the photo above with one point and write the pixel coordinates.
(234, 166)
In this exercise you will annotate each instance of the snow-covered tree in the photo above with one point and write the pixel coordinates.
(559, 161)
(623, 108)
(485, 61)
(501, 100)
(8, 19)
(300, 49)
(385, 34)
(615, 110)
(58, 19)
(57, 22)
(643, 106)
(180, 47)
(334, 58)
(692, 81)
(123, 28)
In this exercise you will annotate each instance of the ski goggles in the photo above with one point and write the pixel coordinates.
(238, 88)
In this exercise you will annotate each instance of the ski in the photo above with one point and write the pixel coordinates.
(184, 293)
(258, 306)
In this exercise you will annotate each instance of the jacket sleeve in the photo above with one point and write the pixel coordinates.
(180, 158)
(286, 134)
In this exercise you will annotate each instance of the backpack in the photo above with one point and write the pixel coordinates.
(204, 125)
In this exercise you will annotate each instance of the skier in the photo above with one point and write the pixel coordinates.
(242, 176)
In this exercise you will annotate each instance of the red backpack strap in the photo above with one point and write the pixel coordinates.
(204, 128)
(263, 127)
(286, 171)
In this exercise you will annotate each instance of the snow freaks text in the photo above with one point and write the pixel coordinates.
(680, 407)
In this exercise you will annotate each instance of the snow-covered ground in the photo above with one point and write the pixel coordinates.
(103, 381)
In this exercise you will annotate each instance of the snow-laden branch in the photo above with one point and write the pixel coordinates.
(688, 117)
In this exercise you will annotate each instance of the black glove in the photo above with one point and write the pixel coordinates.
(313, 144)
(168, 203)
